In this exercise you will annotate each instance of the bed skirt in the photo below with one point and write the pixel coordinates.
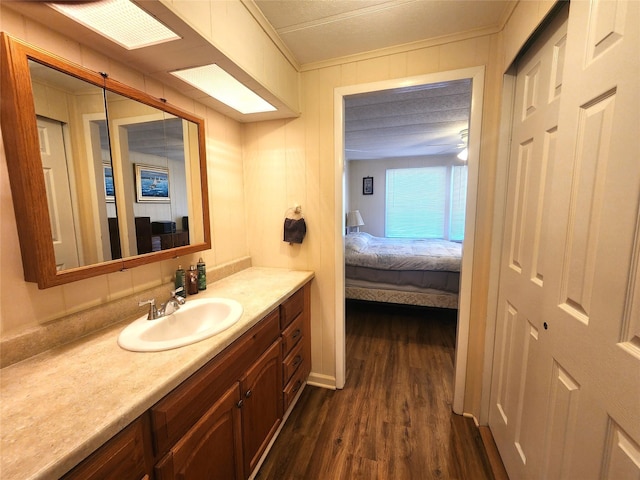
(433, 298)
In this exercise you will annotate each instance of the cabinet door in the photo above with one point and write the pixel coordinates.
(212, 448)
(262, 404)
(127, 456)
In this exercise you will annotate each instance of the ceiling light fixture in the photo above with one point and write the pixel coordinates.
(214, 81)
(119, 20)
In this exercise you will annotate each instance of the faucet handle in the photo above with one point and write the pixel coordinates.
(179, 298)
(153, 311)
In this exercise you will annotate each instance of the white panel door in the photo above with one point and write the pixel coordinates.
(522, 357)
(593, 423)
(566, 383)
(56, 177)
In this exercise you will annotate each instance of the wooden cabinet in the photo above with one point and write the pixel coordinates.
(262, 404)
(295, 317)
(176, 413)
(127, 456)
(250, 367)
(212, 448)
(218, 423)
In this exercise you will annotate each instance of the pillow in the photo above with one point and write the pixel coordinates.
(356, 242)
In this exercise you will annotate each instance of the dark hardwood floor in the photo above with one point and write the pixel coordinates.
(393, 419)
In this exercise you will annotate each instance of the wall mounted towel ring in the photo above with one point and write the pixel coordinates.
(294, 212)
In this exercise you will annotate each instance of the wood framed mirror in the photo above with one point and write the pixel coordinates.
(103, 177)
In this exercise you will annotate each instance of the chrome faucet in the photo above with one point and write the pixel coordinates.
(167, 308)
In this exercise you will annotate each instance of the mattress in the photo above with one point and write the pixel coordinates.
(420, 279)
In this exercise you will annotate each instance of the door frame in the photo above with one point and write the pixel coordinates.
(497, 233)
(476, 74)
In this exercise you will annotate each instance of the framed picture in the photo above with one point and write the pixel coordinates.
(109, 188)
(152, 183)
(367, 186)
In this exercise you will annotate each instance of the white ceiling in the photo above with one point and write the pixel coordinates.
(414, 121)
(407, 122)
(317, 30)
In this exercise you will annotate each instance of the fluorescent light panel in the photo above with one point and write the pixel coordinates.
(119, 20)
(214, 81)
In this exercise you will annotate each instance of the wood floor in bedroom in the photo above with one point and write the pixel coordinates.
(393, 419)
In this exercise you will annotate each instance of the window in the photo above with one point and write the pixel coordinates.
(426, 202)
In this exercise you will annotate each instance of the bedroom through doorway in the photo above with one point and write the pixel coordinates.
(408, 182)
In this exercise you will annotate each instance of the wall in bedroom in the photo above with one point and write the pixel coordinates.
(372, 207)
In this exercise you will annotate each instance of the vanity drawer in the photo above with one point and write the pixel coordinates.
(291, 389)
(291, 308)
(292, 362)
(176, 413)
(292, 335)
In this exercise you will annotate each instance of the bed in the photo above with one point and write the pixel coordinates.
(422, 272)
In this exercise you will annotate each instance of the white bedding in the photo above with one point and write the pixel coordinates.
(403, 271)
(364, 250)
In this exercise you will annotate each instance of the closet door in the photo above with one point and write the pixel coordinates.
(592, 298)
(522, 359)
(566, 391)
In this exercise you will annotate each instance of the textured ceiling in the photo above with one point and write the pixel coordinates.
(416, 121)
(407, 122)
(317, 30)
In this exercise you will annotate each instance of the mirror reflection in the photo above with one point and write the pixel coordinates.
(122, 177)
(70, 116)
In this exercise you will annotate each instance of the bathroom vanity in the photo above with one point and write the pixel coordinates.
(208, 410)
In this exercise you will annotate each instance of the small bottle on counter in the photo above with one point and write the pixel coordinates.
(202, 275)
(192, 280)
(181, 282)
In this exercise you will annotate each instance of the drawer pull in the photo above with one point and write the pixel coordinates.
(248, 393)
(296, 334)
(297, 386)
(297, 361)
(240, 403)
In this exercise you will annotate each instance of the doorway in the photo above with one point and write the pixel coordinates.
(476, 74)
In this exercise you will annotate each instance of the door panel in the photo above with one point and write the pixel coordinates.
(58, 191)
(593, 235)
(570, 281)
(522, 363)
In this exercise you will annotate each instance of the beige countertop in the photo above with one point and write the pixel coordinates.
(58, 407)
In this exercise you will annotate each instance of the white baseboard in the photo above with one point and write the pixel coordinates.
(471, 415)
(324, 381)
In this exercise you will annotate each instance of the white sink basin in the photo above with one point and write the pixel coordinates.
(193, 322)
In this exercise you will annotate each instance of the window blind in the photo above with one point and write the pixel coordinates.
(426, 202)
